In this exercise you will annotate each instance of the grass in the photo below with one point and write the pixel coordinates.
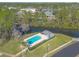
(59, 39)
(12, 46)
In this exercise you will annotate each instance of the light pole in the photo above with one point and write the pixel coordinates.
(28, 51)
(48, 48)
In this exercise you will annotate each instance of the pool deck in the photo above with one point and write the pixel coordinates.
(43, 37)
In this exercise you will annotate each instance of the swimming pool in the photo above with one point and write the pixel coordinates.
(38, 38)
(33, 39)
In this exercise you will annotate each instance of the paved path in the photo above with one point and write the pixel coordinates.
(75, 39)
(60, 47)
(10, 55)
(70, 51)
(77, 55)
(21, 52)
(4, 54)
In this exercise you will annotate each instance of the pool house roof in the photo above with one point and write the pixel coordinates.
(48, 33)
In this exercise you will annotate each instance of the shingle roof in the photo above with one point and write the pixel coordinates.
(48, 33)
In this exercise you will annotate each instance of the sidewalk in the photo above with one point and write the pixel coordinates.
(75, 39)
(7, 54)
(58, 48)
(21, 52)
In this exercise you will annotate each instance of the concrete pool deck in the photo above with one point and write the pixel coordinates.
(38, 38)
(43, 37)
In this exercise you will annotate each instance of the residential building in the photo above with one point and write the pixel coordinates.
(49, 13)
(32, 10)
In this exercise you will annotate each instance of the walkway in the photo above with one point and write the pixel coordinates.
(4, 54)
(75, 39)
(70, 51)
(59, 48)
(21, 52)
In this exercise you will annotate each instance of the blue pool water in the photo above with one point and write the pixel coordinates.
(33, 39)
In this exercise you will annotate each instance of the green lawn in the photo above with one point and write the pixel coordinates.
(12, 46)
(59, 39)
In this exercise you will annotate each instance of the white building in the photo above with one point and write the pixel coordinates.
(20, 14)
(32, 10)
(12, 8)
(49, 13)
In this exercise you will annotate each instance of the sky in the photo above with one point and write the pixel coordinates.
(39, 0)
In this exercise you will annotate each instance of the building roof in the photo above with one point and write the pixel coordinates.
(12, 8)
(48, 12)
(48, 33)
(20, 13)
(33, 10)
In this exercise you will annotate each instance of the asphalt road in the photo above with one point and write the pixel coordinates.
(70, 51)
